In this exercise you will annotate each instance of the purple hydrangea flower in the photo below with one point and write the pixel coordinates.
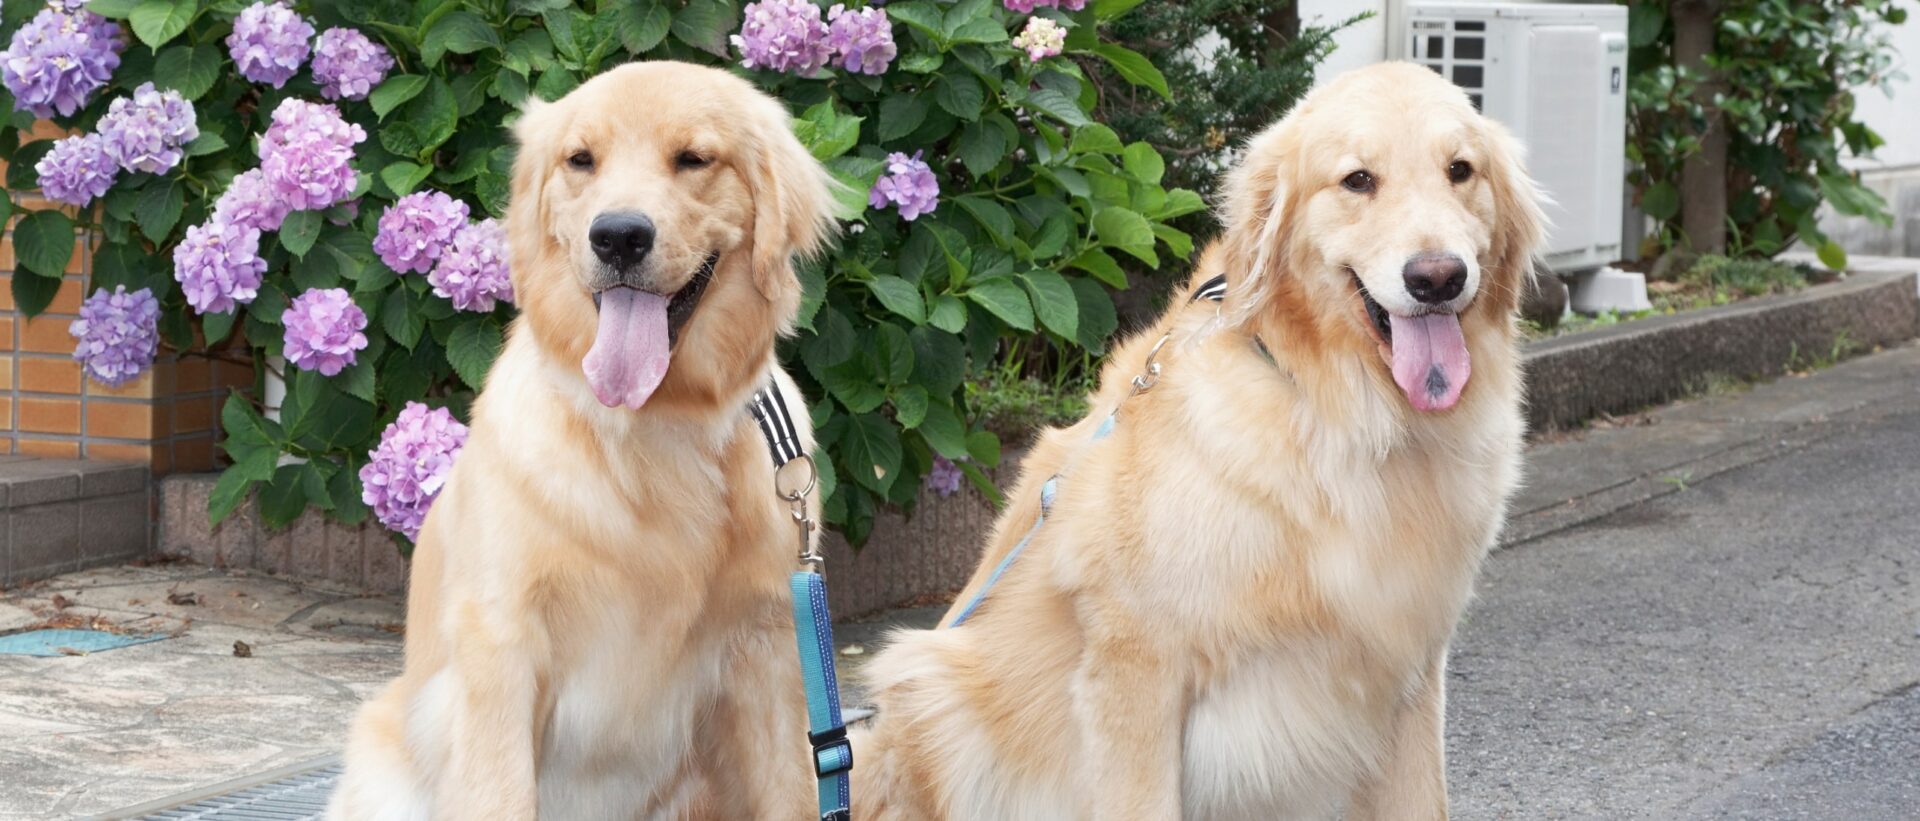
(324, 330)
(249, 201)
(407, 470)
(909, 184)
(945, 476)
(862, 38)
(348, 64)
(416, 229)
(58, 59)
(473, 271)
(117, 334)
(1042, 38)
(218, 264)
(147, 131)
(307, 154)
(78, 169)
(269, 42)
(783, 35)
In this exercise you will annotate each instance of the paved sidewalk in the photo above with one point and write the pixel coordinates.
(82, 735)
(1700, 612)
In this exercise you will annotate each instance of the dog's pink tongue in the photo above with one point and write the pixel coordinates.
(630, 351)
(1430, 360)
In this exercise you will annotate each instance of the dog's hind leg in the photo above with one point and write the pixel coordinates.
(1129, 711)
(1411, 781)
(380, 782)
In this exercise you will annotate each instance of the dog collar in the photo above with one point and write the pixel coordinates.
(1215, 290)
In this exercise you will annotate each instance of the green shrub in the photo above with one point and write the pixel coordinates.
(1787, 71)
(1039, 204)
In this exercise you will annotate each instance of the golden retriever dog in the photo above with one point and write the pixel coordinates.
(598, 625)
(1240, 602)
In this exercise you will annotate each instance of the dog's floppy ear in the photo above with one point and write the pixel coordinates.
(793, 209)
(1257, 206)
(526, 208)
(1519, 226)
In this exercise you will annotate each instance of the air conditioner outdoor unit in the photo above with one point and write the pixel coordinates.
(1556, 75)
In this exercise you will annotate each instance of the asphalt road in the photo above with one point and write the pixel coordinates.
(1744, 645)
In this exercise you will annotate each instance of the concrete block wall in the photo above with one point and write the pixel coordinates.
(62, 515)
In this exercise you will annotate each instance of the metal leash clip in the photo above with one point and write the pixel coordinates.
(1151, 376)
(809, 553)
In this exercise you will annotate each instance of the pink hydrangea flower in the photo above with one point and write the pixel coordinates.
(59, 59)
(149, 130)
(862, 38)
(407, 470)
(307, 154)
(251, 202)
(218, 265)
(783, 35)
(323, 330)
(417, 228)
(77, 170)
(269, 42)
(348, 64)
(473, 271)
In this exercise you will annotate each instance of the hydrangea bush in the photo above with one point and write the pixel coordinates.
(321, 182)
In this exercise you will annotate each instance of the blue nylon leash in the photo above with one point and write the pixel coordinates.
(812, 623)
(832, 755)
(1213, 290)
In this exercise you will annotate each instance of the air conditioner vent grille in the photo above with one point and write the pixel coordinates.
(1456, 50)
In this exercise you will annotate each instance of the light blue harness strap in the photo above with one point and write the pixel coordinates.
(832, 755)
(1048, 490)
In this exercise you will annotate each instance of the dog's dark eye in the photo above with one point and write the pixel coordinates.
(1359, 182)
(690, 160)
(581, 160)
(1460, 171)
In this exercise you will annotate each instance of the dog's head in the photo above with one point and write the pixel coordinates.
(1384, 194)
(655, 214)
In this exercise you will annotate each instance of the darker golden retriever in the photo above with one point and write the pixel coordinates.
(1240, 602)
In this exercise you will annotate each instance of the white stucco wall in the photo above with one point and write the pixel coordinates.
(1362, 44)
(1896, 118)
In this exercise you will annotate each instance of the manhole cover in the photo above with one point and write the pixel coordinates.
(64, 642)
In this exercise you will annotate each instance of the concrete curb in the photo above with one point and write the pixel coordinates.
(1635, 365)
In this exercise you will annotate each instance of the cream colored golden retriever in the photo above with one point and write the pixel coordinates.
(1240, 603)
(598, 623)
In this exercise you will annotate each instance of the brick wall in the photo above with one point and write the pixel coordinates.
(166, 419)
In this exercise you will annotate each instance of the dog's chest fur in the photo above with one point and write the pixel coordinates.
(1365, 576)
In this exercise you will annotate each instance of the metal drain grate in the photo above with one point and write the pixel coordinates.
(293, 794)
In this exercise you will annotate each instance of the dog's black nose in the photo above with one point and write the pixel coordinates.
(1434, 277)
(621, 239)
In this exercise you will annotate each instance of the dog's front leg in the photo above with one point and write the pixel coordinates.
(758, 752)
(1127, 704)
(1411, 783)
(491, 759)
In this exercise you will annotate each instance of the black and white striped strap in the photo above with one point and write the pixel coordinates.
(769, 409)
(1213, 289)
